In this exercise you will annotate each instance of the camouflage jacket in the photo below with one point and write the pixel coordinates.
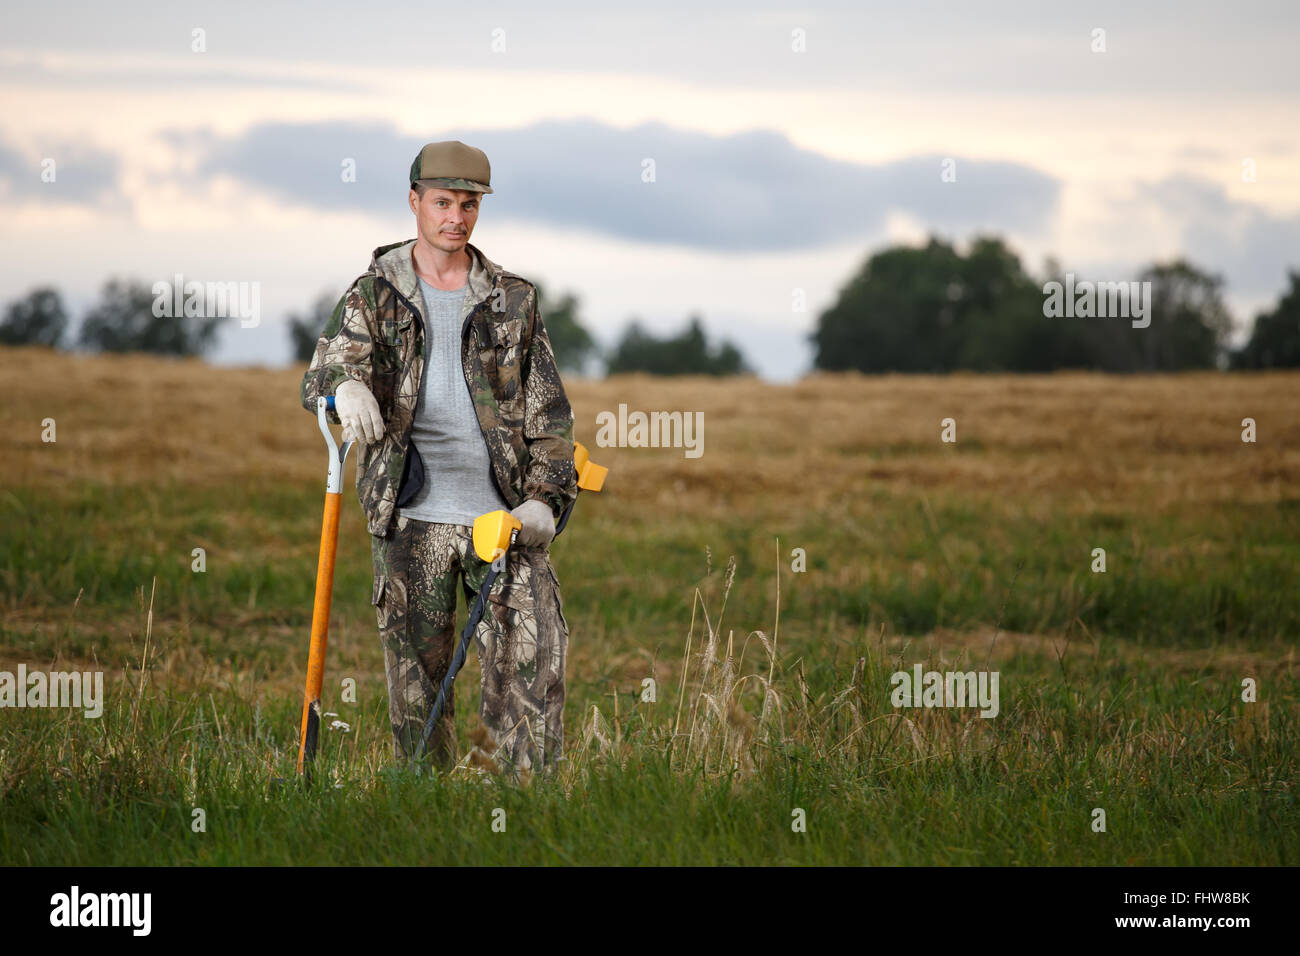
(375, 335)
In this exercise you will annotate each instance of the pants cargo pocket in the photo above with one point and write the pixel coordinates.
(512, 600)
(390, 624)
(512, 604)
(559, 604)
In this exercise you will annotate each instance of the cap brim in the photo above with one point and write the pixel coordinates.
(466, 184)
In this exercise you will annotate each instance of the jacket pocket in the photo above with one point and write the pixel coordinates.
(505, 334)
(507, 358)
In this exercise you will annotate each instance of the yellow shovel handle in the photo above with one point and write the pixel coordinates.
(320, 626)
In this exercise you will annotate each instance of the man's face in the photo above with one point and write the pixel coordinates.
(445, 217)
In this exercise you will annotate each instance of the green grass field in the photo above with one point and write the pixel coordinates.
(1120, 691)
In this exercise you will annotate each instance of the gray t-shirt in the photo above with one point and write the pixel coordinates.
(458, 485)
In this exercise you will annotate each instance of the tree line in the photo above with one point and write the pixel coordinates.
(932, 308)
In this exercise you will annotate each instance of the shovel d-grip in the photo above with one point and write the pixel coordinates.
(494, 534)
(320, 616)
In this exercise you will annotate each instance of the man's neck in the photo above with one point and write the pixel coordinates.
(442, 270)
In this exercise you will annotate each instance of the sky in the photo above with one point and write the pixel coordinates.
(787, 144)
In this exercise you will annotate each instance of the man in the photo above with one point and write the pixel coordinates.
(442, 369)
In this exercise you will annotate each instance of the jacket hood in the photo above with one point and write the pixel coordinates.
(393, 262)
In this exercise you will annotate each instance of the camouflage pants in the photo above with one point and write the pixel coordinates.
(521, 641)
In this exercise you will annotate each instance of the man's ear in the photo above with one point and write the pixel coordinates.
(413, 200)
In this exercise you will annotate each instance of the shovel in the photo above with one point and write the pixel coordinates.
(320, 617)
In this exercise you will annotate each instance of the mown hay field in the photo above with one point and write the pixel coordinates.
(765, 591)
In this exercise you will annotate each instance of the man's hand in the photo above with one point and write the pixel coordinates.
(359, 413)
(538, 521)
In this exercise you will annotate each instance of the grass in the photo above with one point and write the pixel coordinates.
(1120, 691)
(712, 771)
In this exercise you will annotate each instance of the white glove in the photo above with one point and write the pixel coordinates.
(538, 524)
(359, 412)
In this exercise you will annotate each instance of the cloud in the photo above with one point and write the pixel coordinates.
(750, 191)
(1244, 242)
(303, 163)
(1176, 47)
(1201, 153)
(82, 174)
(51, 70)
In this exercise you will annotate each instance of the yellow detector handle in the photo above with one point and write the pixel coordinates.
(492, 533)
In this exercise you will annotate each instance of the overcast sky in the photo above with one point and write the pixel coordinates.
(776, 169)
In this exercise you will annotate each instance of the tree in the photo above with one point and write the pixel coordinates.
(1002, 326)
(36, 319)
(1275, 339)
(572, 344)
(934, 309)
(305, 331)
(1189, 321)
(688, 353)
(124, 321)
(931, 309)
